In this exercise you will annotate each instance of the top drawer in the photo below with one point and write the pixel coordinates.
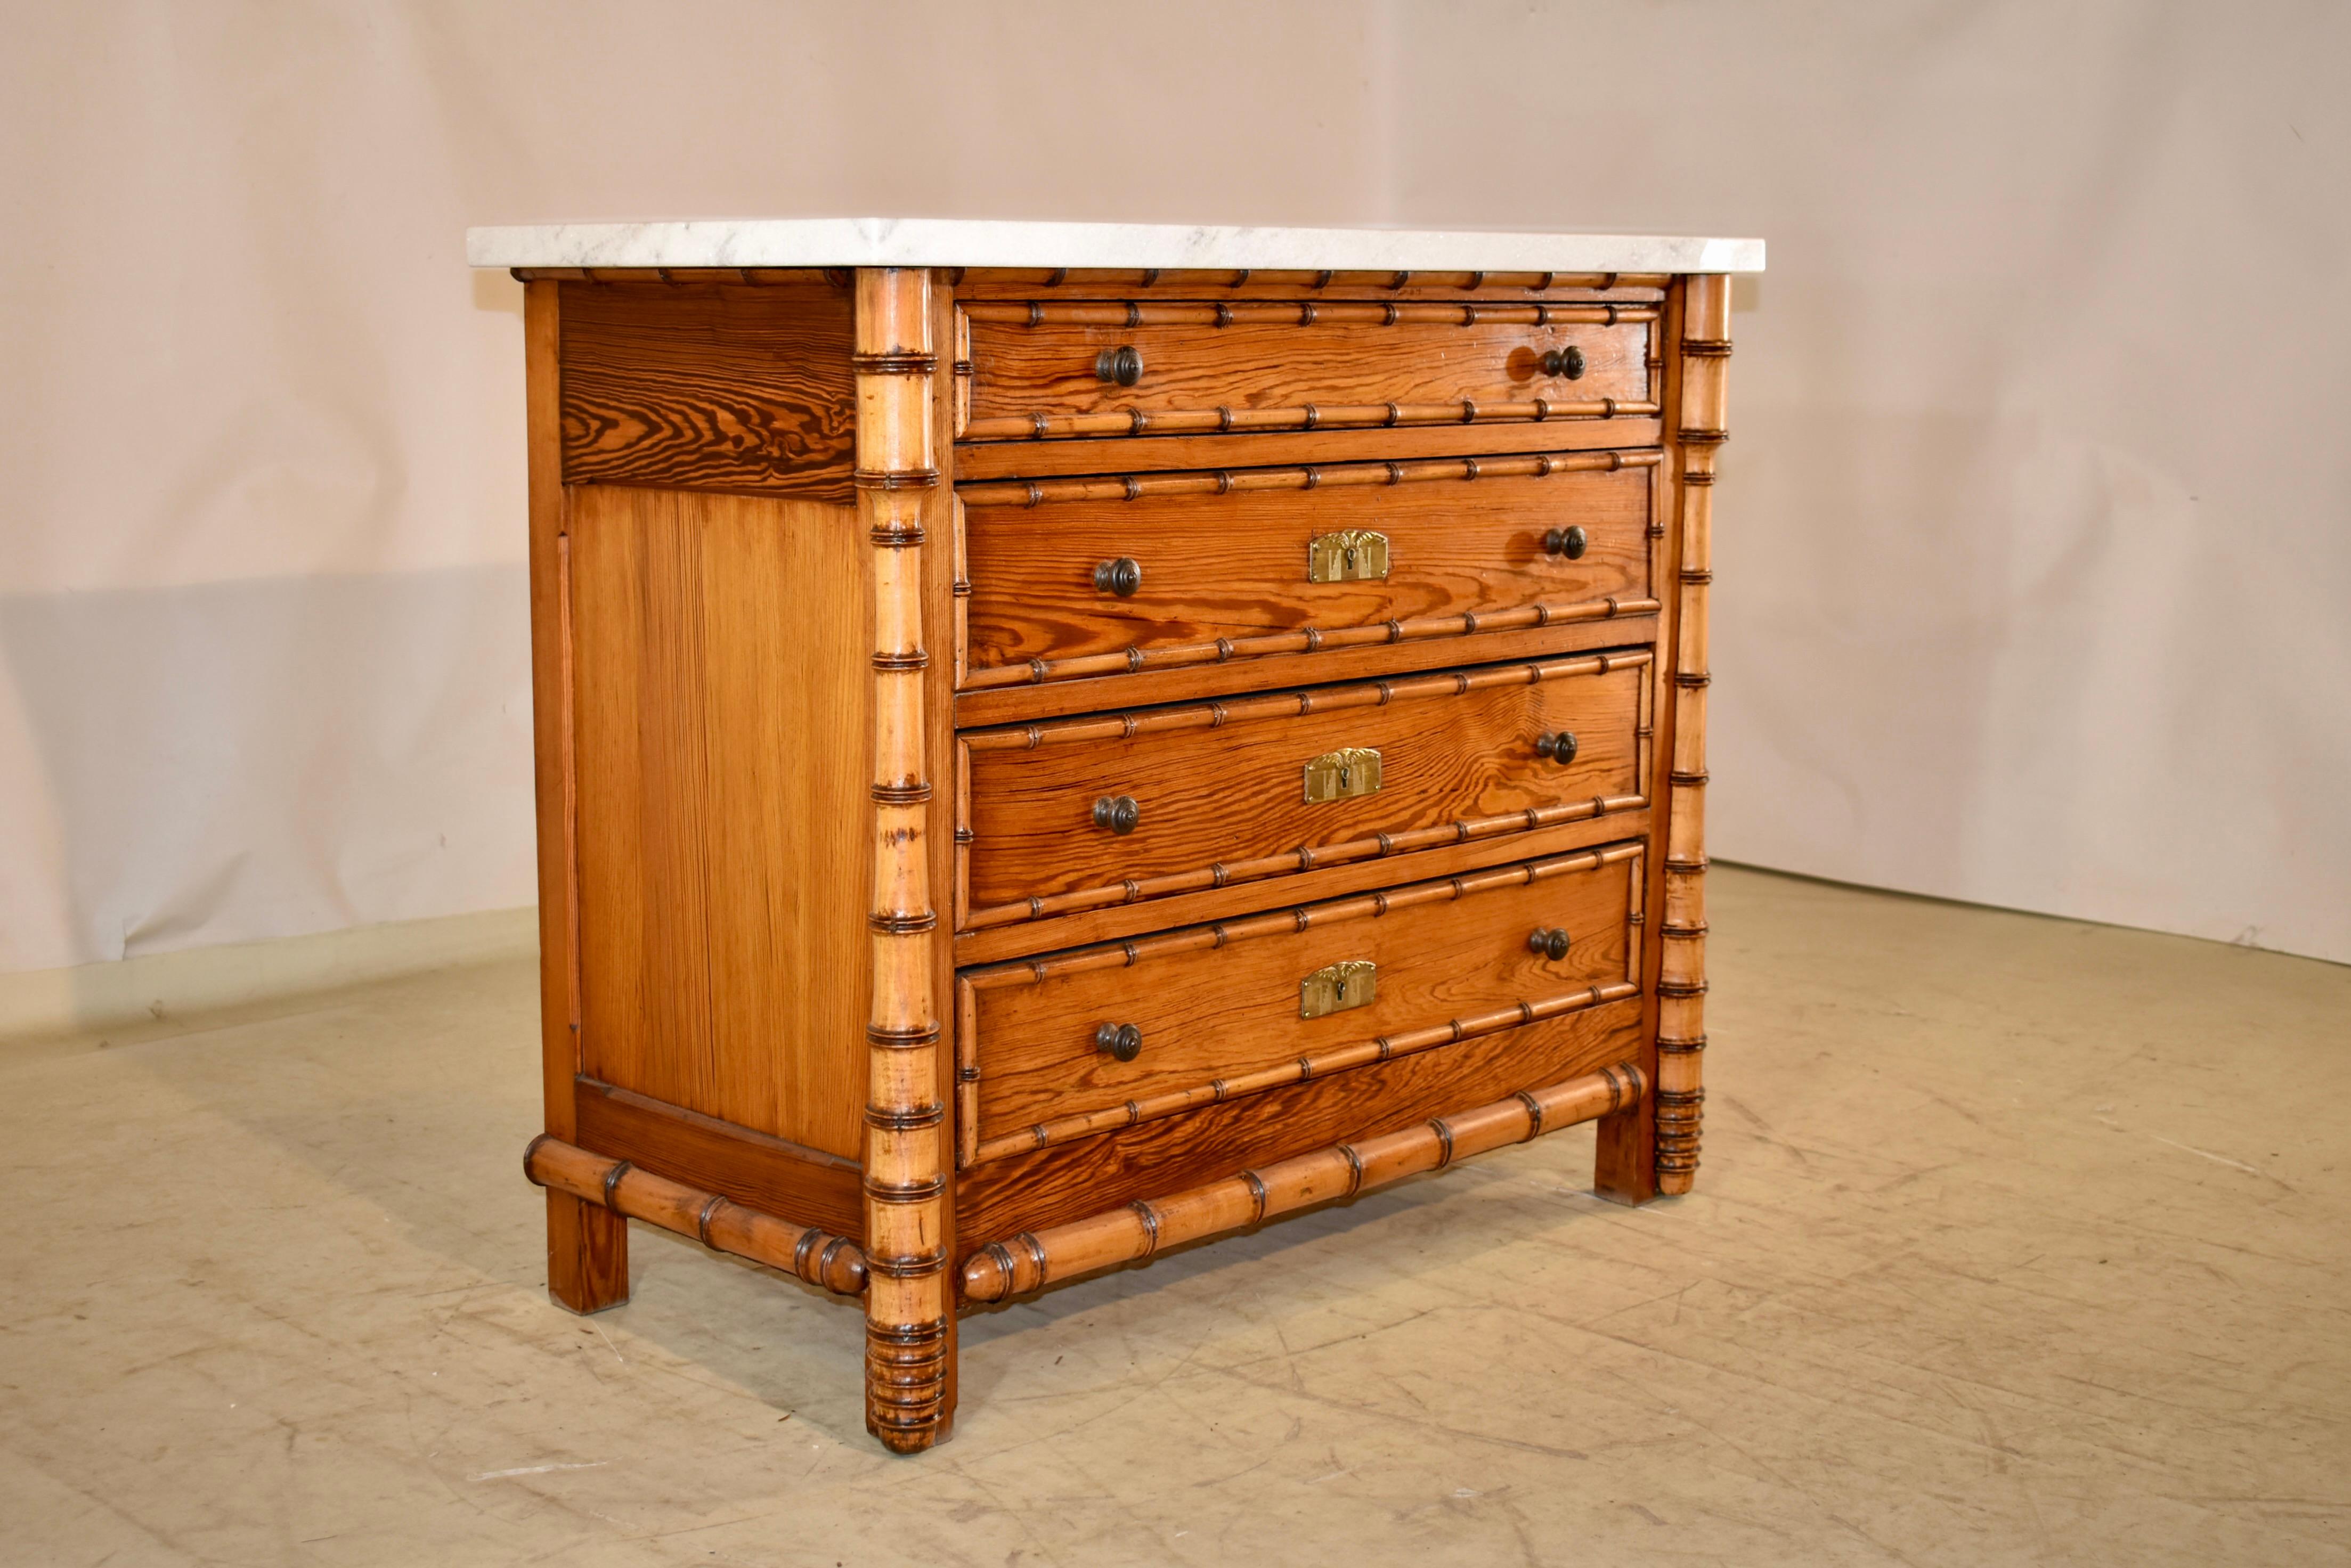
(1112, 368)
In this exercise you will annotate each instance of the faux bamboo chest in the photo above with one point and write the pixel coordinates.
(1056, 742)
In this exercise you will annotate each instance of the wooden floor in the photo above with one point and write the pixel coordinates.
(2016, 1242)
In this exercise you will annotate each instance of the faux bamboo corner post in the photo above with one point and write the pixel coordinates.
(908, 1314)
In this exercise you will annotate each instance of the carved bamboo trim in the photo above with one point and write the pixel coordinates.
(1301, 313)
(906, 1304)
(1286, 922)
(1163, 279)
(1680, 1096)
(1042, 426)
(1032, 1259)
(1297, 704)
(1305, 640)
(1245, 481)
(1359, 1053)
(818, 1257)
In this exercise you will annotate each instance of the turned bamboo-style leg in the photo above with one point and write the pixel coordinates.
(908, 1326)
(1705, 351)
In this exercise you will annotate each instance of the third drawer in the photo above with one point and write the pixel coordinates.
(1120, 807)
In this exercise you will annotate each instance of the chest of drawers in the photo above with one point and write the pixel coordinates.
(1055, 743)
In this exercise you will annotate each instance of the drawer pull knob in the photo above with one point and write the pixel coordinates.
(1335, 988)
(1570, 542)
(1342, 775)
(1123, 366)
(1118, 813)
(1123, 1041)
(1567, 362)
(1559, 748)
(1121, 576)
(1548, 941)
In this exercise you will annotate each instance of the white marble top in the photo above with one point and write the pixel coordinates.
(962, 242)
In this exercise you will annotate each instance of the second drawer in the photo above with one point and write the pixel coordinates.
(1118, 807)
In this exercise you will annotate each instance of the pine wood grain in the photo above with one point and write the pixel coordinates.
(719, 665)
(1229, 790)
(1227, 1012)
(1234, 565)
(1021, 372)
(1068, 1181)
(723, 388)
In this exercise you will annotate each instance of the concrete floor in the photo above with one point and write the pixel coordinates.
(2017, 1241)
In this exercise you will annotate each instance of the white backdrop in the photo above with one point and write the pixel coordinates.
(2034, 538)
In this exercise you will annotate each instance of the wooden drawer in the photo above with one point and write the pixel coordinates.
(1040, 370)
(1071, 578)
(1220, 1012)
(1220, 792)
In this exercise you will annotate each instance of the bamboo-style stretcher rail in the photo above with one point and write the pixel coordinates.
(1359, 1053)
(1302, 313)
(1284, 922)
(719, 1223)
(1312, 476)
(1224, 421)
(1032, 1259)
(1306, 857)
(1297, 704)
(1304, 640)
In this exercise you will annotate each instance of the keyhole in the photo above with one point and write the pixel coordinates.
(1351, 558)
(1339, 991)
(1343, 773)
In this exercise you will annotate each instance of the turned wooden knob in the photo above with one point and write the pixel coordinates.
(1123, 366)
(1121, 576)
(1118, 813)
(1548, 941)
(1570, 542)
(1123, 1041)
(1559, 748)
(1567, 362)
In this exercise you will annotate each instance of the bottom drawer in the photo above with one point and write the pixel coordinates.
(1074, 1044)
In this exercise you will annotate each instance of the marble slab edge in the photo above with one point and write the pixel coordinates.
(947, 241)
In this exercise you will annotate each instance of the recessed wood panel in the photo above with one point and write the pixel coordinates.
(708, 385)
(721, 682)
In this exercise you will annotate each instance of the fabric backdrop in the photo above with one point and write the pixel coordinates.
(2034, 536)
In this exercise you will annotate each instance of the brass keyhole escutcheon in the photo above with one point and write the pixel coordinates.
(1338, 987)
(1342, 775)
(1350, 556)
